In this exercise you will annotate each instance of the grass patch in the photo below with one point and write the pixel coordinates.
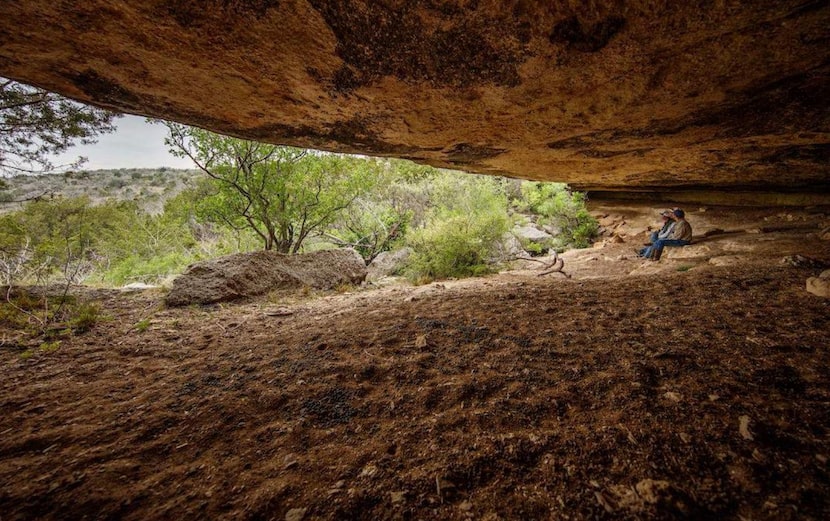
(84, 316)
(49, 347)
(142, 325)
(39, 315)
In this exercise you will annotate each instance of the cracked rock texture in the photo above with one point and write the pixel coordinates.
(244, 275)
(636, 95)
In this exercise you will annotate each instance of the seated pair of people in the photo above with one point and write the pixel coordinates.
(676, 231)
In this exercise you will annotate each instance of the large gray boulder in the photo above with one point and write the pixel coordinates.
(249, 274)
(388, 263)
(531, 233)
(508, 249)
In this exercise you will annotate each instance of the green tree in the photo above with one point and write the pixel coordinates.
(283, 194)
(51, 238)
(380, 218)
(36, 124)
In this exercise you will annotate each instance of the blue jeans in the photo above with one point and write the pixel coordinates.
(657, 247)
(652, 239)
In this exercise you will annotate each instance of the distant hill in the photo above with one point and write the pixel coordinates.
(149, 187)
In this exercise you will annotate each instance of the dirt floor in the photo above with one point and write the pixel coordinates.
(693, 388)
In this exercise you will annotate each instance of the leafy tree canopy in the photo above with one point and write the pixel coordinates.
(282, 194)
(36, 124)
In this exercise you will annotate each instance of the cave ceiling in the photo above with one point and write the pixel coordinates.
(635, 95)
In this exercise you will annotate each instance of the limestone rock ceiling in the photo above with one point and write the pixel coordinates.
(616, 95)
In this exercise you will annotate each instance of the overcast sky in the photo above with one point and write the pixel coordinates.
(135, 144)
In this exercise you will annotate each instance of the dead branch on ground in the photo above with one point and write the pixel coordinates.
(557, 265)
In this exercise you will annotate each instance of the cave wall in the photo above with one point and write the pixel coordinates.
(640, 95)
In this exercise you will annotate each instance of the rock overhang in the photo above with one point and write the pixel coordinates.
(613, 96)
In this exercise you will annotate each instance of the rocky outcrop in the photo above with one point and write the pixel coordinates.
(635, 95)
(249, 274)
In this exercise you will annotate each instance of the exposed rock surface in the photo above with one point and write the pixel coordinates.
(820, 285)
(387, 263)
(248, 274)
(635, 95)
(508, 249)
(531, 233)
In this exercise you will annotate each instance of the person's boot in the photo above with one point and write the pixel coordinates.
(655, 255)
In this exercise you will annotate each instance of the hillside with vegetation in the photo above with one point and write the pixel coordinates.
(150, 188)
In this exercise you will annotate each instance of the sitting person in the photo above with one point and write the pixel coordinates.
(664, 232)
(681, 236)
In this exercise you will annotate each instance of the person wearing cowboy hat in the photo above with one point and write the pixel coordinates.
(681, 236)
(664, 232)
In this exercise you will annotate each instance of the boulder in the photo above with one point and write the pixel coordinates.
(820, 285)
(388, 263)
(552, 230)
(508, 249)
(137, 286)
(531, 233)
(249, 274)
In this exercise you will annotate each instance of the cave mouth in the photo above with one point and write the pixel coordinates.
(692, 387)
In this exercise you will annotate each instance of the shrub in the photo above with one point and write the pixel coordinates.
(116, 183)
(563, 209)
(136, 268)
(50, 346)
(534, 248)
(462, 232)
(47, 316)
(142, 325)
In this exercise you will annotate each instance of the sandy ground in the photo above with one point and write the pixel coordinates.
(693, 388)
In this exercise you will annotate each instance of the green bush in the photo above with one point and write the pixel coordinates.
(48, 316)
(142, 325)
(461, 232)
(534, 248)
(563, 209)
(117, 183)
(84, 316)
(150, 270)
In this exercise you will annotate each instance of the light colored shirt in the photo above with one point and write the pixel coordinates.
(666, 231)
